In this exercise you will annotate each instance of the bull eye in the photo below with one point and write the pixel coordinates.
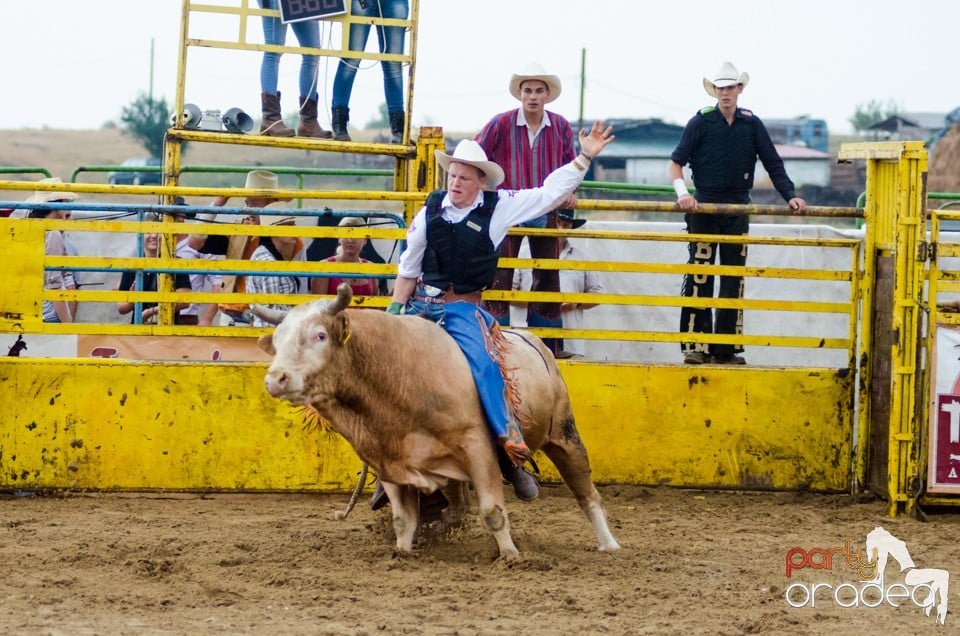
(321, 336)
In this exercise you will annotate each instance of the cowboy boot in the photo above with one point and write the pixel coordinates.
(309, 126)
(271, 124)
(396, 126)
(340, 117)
(379, 498)
(524, 484)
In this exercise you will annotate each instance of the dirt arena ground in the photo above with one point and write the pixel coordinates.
(692, 563)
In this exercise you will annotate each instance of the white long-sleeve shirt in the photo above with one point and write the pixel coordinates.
(513, 208)
(571, 281)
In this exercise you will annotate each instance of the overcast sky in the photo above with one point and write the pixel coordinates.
(74, 65)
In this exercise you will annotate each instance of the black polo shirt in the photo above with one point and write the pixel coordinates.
(723, 157)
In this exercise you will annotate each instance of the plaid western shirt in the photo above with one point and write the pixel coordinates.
(507, 143)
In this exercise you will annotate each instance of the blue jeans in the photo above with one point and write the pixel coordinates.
(391, 41)
(275, 32)
(470, 327)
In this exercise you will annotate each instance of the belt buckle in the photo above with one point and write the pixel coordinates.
(430, 291)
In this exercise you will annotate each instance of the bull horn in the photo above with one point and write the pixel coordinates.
(272, 316)
(344, 295)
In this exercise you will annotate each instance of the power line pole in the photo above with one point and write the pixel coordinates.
(583, 81)
(152, 41)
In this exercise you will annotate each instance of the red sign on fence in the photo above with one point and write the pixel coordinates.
(943, 474)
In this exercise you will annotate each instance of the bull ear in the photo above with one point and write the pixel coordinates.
(344, 295)
(265, 343)
(340, 328)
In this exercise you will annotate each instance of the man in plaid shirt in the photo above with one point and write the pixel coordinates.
(529, 143)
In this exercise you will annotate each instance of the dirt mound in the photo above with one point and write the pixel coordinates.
(944, 166)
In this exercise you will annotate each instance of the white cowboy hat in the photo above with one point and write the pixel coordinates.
(727, 75)
(264, 180)
(48, 196)
(471, 153)
(535, 72)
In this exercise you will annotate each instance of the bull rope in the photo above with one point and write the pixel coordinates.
(356, 493)
(510, 381)
(312, 419)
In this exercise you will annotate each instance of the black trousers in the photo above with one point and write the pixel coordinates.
(724, 321)
(542, 280)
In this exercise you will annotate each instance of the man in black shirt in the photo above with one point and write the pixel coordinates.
(722, 144)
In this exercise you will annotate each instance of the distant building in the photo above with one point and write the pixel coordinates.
(801, 131)
(639, 154)
(909, 127)
(805, 166)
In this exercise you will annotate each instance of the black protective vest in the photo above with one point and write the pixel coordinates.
(461, 254)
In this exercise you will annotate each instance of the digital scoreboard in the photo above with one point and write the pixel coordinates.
(300, 10)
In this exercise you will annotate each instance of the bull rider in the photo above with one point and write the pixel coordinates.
(451, 257)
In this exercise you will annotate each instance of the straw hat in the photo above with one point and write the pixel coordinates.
(471, 153)
(535, 72)
(275, 219)
(48, 196)
(264, 180)
(726, 75)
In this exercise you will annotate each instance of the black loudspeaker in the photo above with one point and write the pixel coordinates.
(191, 116)
(237, 121)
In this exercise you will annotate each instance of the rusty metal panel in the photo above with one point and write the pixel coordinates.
(880, 378)
(120, 425)
(715, 427)
(180, 426)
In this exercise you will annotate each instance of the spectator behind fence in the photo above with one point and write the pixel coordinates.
(391, 41)
(323, 248)
(196, 314)
(308, 36)
(243, 247)
(529, 143)
(571, 281)
(72, 250)
(55, 244)
(721, 143)
(128, 281)
(276, 248)
(348, 251)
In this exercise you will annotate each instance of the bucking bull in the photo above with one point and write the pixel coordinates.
(401, 393)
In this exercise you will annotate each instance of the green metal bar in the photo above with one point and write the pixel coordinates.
(942, 196)
(627, 187)
(25, 170)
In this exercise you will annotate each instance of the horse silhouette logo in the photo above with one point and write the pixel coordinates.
(882, 546)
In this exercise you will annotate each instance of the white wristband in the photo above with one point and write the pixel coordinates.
(680, 188)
